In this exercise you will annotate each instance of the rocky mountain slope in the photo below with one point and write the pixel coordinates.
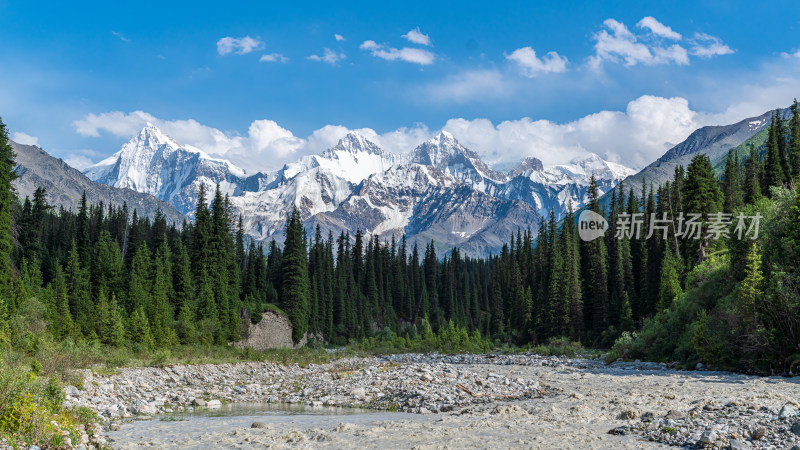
(65, 185)
(438, 191)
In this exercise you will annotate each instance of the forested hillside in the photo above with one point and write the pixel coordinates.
(715, 294)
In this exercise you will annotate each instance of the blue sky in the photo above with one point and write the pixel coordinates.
(264, 83)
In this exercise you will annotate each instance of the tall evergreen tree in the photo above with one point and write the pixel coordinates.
(752, 171)
(731, 184)
(794, 140)
(295, 292)
(7, 175)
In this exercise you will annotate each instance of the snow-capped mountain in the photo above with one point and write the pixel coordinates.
(555, 187)
(438, 191)
(154, 163)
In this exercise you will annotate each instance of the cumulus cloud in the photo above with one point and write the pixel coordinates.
(706, 46)
(407, 54)
(532, 65)
(415, 36)
(338, 37)
(618, 44)
(24, 138)
(635, 137)
(239, 46)
(658, 28)
(266, 146)
(621, 45)
(329, 56)
(273, 57)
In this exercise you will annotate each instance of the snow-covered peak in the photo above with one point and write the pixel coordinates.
(580, 170)
(527, 166)
(353, 143)
(448, 155)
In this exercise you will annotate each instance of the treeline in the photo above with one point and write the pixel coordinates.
(104, 274)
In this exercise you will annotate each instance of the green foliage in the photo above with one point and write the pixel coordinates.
(295, 293)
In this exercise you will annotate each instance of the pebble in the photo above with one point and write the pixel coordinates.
(423, 384)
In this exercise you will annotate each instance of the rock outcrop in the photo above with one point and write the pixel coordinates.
(273, 331)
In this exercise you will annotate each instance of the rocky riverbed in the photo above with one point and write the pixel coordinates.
(450, 402)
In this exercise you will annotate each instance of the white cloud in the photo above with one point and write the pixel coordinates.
(415, 36)
(24, 138)
(266, 146)
(339, 37)
(239, 46)
(481, 84)
(658, 28)
(623, 46)
(79, 162)
(648, 126)
(120, 36)
(273, 57)
(410, 55)
(532, 65)
(706, 46)
(329, 56)
(618, 44)
(644, 131)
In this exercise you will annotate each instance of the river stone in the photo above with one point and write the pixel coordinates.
(708, 438)
(796, 428)
(759, 433)
(736, 444)
(787, 411)
(72, 391)
(199, 402)
(676, 415)
(214, 403)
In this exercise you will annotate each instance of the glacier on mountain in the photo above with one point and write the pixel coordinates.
(439, 191)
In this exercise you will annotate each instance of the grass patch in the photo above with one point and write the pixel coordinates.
(31, 407)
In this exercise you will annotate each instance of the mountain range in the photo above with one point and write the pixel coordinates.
(65, 185)
(439, 191)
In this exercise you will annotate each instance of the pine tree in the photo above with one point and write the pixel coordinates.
(752, 186)
(7, 197)
(750, 290)
(702, 196)
(794, 140)
(295, 292)
(139, 329)
(669, 285)
(773, 170)
(731, 184)
(595, 273)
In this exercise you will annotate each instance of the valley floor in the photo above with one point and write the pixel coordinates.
(460, 401)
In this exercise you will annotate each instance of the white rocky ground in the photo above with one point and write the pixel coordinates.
(460, 401)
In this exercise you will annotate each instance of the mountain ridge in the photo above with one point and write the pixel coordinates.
(356, 184)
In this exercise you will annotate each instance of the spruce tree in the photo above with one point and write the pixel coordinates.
(7, 197)
(702, 196)
(773, 170)
(669, 285)
(794, 140)
(295, 292)
(731, 184)
(752, 171)
(595, 276)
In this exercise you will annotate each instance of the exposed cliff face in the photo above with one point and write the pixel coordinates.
(273, 331)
